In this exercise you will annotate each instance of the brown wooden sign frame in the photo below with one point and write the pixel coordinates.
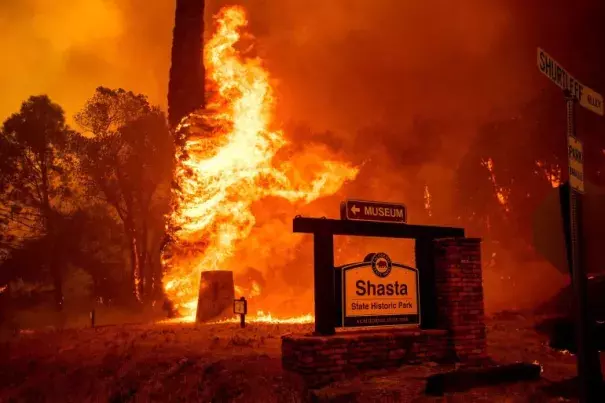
(323, 231)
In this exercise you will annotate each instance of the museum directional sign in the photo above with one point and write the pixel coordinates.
(362, 210)
(378, 292)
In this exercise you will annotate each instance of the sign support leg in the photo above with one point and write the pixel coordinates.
(424, 251)
(588, 360)
(323, 256)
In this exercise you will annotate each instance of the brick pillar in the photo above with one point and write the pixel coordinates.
(459, 296)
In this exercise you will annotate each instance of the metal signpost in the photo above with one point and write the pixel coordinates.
(589, 366)
(363, 210)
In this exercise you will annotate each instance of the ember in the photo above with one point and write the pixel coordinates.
(552, 173)
(427, 200)
(501, 193)
(227, 163)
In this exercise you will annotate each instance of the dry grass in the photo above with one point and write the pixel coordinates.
(223, 363)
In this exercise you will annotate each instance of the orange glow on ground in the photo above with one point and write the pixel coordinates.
(260, 317)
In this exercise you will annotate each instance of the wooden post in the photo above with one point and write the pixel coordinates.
(323, 257)
(425, 263)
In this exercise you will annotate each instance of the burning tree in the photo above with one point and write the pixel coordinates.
(231, 159)
(508, 172)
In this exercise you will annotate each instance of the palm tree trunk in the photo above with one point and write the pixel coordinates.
(186, 85)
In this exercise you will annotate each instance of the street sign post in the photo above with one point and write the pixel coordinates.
(362, 210)
(588, 359)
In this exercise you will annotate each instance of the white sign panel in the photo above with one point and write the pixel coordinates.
(588, 98)
(576, 164)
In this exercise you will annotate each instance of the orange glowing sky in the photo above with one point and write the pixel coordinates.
(423, 74)
(432, 57)
(68, 48)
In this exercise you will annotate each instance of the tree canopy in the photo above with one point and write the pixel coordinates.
(35, 176)
(129, 156)
(93, 200)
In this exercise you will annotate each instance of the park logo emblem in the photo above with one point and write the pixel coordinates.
(381, 264)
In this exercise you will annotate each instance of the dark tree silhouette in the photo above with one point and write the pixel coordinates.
(128, 164)
(524, 149)
(85, 239)
(34, 177)
(186, 85)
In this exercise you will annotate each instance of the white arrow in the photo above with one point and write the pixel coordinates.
(355, 209)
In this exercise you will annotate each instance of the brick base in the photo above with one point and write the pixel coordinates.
(324, 359)
(458, 292)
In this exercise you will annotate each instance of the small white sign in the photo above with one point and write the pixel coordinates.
(239, 307)
(575, 156)
(588, 98)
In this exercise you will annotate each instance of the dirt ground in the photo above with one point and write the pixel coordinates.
(223, 363)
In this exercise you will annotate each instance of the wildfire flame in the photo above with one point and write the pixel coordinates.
(502, 193)
(255, 291)
(268, 318)
(552, 173)
(260, 317)
(228, 162)
(427, 200)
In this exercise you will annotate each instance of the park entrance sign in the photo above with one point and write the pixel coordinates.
(445, 319)
(378, 292)
(377, 281)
